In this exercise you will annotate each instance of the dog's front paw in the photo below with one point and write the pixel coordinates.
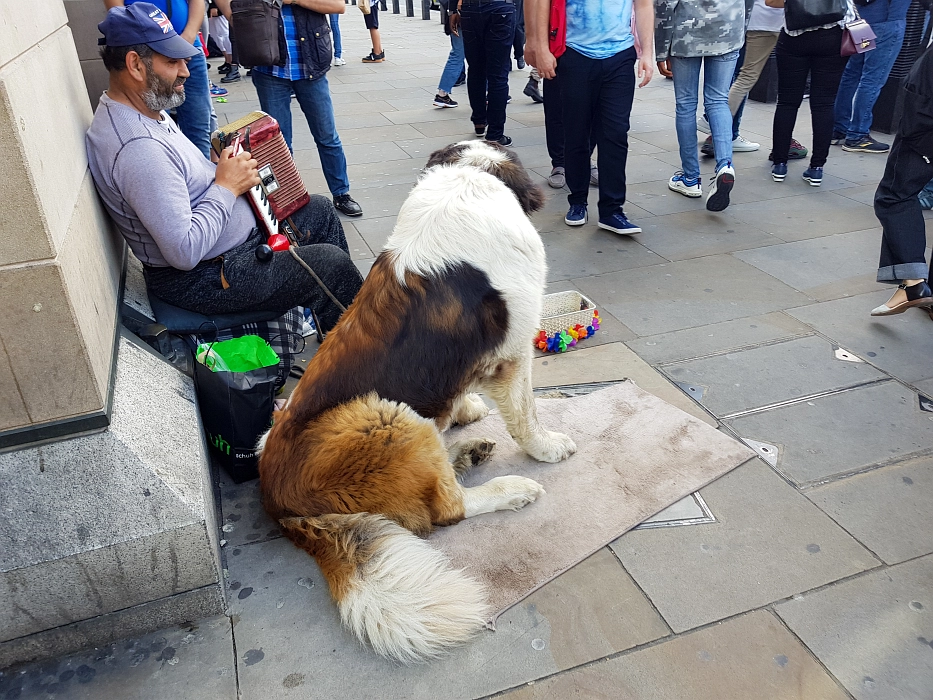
(551, 447)
(517, 491)
(466, 454)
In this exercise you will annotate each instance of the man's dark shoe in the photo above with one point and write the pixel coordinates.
(797, 150)
(479, 129)
(374, 57)
(502, 140)
(461, 80)
(531, 89)
(837, 139)
(232, 76)
(618, 223)
(865, 145)
(520, 62)
(225, 68)
(345, 204)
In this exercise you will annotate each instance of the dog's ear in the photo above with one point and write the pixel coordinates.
(448, 155)
(516, 178)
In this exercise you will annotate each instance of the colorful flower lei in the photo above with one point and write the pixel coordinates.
(560, 341)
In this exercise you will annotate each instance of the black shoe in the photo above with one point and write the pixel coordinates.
(233, 76)
(502, 140)
(531, 89)
(444, 101)
(225, 68)
(374, 57)
(479, 129)
(249, 72)
(865, 145)
(345, 204)
(461, 80)
(520, 62)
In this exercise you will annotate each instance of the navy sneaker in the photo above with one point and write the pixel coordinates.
(576, 216)
(779, 172)
(865, 145)
(719, 189)
(618, 223)
(814, 176)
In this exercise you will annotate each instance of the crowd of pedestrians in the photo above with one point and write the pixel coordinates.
(585, 60)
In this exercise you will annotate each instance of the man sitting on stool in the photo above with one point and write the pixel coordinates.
(185, 218)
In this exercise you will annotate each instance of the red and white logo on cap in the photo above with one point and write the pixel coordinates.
(164, 22)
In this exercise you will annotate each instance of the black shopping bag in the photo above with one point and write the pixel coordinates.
(236, 409)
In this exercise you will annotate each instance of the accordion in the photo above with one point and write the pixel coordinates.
(281, 192)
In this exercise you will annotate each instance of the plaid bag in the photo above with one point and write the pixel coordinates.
(282, 333)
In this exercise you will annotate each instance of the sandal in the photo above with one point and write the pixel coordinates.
(917, 295)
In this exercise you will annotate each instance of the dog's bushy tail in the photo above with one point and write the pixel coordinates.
(393, 589)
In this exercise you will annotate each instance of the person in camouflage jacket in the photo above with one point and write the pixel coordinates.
(707, 34)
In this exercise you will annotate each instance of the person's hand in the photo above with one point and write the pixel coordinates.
(645, 71)
(455, 23)
(544, 61)
(664, 68)
(237, 173)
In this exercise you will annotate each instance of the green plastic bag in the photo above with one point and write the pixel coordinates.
(241, 354)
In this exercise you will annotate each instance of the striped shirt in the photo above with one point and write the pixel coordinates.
(293, 69)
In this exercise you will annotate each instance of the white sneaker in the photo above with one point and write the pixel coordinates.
(682, 184)
(743, 145)
(703, 125)
(339, 61)
(720, 187)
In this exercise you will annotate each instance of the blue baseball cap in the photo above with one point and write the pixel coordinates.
(144, 23)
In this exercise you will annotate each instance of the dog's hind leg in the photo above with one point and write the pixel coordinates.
(510, 388)
(466, 454)
(468, 408)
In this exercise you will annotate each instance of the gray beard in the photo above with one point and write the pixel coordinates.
(160, 96)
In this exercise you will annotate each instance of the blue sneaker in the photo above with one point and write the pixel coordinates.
(779, 172)
(687, 186)
(217, 91)
(814, 176)
(576, 216)
(926, 199)
(618, 223)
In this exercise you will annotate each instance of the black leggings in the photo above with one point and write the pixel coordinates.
(277, 285)
(815, 53)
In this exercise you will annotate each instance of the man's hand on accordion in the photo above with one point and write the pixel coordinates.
(237, 173)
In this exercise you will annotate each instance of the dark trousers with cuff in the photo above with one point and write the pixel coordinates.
(903, 239)
(276, 286)
(597, 91)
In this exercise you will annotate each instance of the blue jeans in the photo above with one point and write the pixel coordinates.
(737, 117)
(717, 78)
(454, 66)
(488, 30)
(863, 78)
(194, 114)
(275, 97)
(335, 33)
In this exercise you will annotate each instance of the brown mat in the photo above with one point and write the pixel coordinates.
(636, 455)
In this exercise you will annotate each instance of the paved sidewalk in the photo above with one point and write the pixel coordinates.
(815, 582)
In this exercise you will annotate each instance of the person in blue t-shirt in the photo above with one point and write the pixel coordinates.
(194, 114)
(597, 79)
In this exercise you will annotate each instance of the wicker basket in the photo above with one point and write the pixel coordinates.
(564, 310)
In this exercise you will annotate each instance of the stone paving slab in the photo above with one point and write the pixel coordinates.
(695, 233)
(690, 293)
(763, 376)
(717, 337)
(888, 509)
(769, 543)
(611, 362)
(750, 657)
(290, 643)
(806, 216)
(842, 433)
(896, 344)
(874, 633)
(194, 662)
(823, 268)
(592, 251)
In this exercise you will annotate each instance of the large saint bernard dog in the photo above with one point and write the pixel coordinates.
(355, 467)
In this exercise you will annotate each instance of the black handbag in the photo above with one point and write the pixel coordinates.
(254, 32)
(808, 14)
